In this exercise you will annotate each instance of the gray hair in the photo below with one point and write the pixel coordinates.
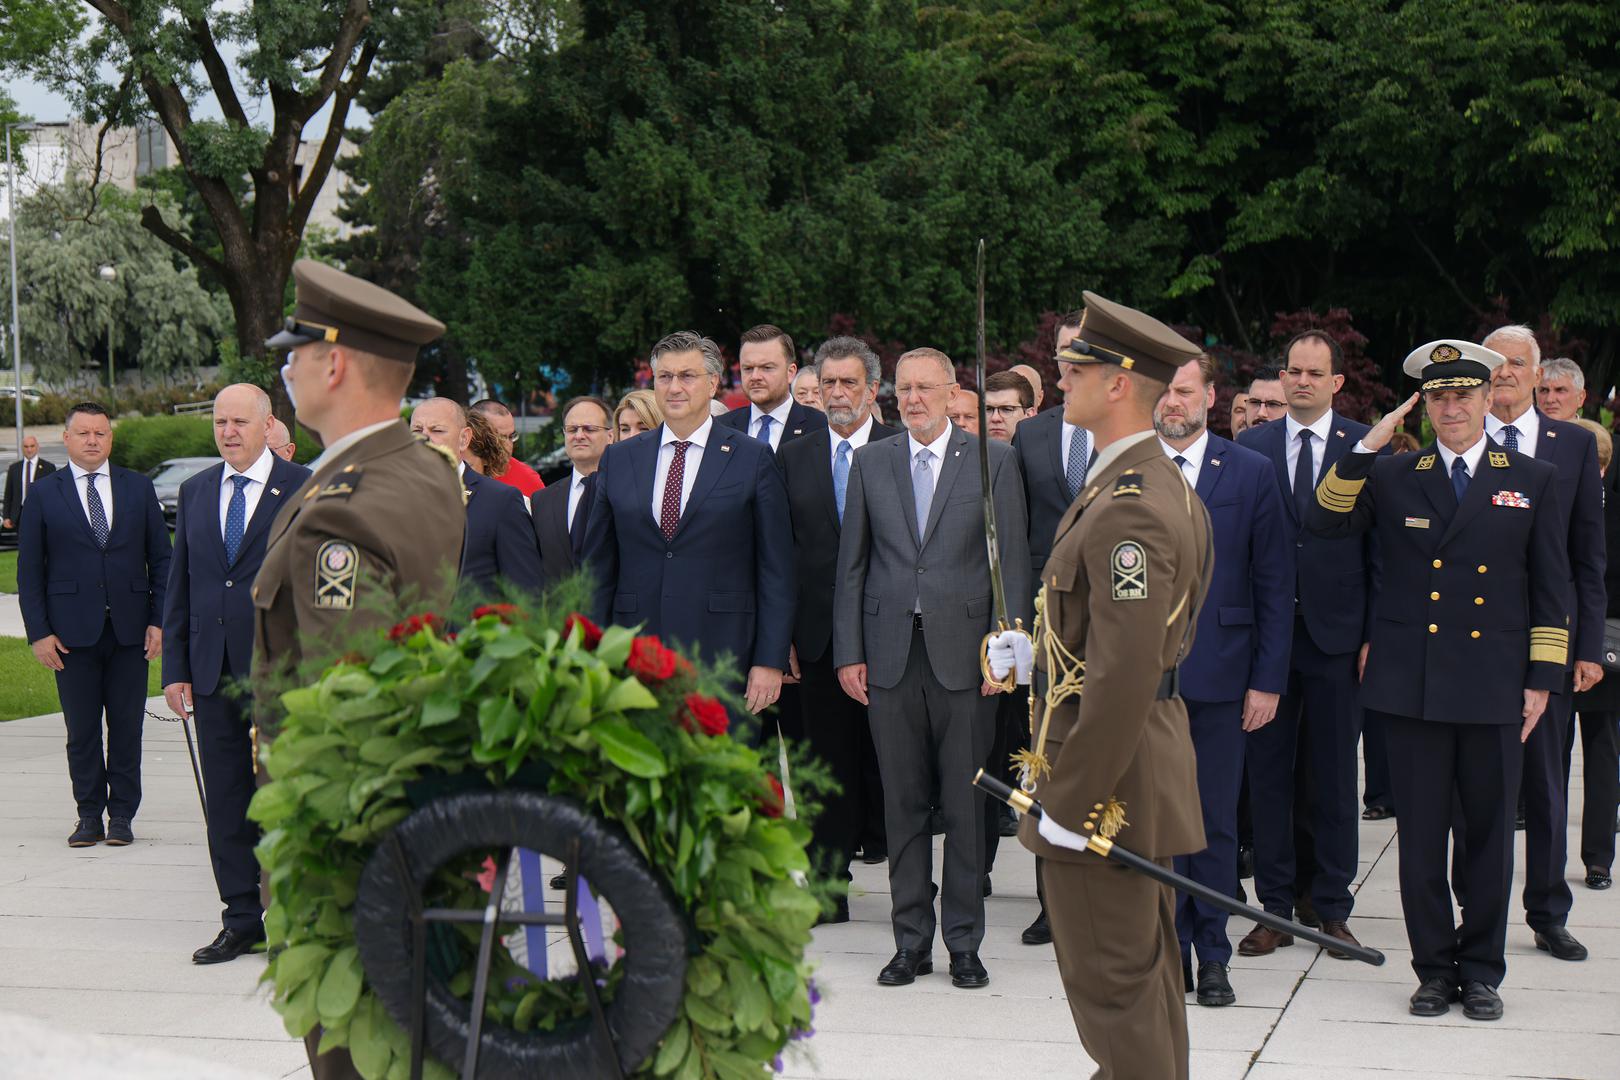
(689, 341)
(1562, 367)
(1523, 335)
(926, 353)
(845, 347)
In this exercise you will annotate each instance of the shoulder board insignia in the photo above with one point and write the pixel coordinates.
(1425, 462)
(345, 485)
(1498, 459)
(1129, 483)
(445, 452)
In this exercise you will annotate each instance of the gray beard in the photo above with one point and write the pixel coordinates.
(1171, 429)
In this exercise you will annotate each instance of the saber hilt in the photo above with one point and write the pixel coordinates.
(1108, 849)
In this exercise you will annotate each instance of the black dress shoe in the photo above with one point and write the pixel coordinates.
(1559, 942)
(87, 834)
(1377, 813)
(871, 856)
(1480, 1002)
(559, 882)
(1038, 932)
(905, 967)
(1598, 879)
(840, 912)
(966, 971)
(119, 833)
(229, 945)
(1214, 988)
(1433, 998)
(1245, 861)
(1007, 821)
(987, 884)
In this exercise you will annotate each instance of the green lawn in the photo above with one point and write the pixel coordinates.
(27, 687)
(8, 571)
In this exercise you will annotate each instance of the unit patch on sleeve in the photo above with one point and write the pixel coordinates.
(337, 567)
(1129, 565)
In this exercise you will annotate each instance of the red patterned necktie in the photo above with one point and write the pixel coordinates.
(669, 514)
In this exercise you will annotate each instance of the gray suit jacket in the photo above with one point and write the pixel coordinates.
(883, 570)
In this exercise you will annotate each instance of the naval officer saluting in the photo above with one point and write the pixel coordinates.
(1468, 636)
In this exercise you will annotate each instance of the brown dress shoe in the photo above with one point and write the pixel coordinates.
(1263, 941)
(1337, 928)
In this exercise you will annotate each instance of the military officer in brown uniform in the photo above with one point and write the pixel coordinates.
(1121, 592)
(380, 520)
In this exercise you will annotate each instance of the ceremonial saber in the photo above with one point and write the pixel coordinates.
(1026, 804)
(196, 773)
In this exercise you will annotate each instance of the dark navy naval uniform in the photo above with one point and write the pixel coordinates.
(1468, 614)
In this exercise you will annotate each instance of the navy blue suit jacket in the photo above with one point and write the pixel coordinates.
(1333, 577)
(801, 421)
(725, 583)
(68, 586)
(500, 545)
(208, 608)
(1572, 450)
(1246, 625)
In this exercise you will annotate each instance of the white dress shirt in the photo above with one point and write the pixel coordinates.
(1194, 456)
(576, 489)
(856, 439)
(30, 473)
(666, 454)
(258, 473)
(103, 482)
(937, 448)
(778, 416)
(1117, 447)
(1471, 455)
(332, 451)
(1528, 425)
(1320, 429)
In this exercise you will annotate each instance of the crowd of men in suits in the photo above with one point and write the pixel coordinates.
(840, 564)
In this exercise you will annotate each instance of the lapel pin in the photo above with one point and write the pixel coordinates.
(1552, 434)
(798, 431)
(275, 491)
(957, 454)
(725, 448)
(1214, 461)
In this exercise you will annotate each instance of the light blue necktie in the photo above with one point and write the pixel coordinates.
(1459, 476)
(764, 435)
(922, 489)
(841, 476)
(1510, 439)
(98, 513)
(1076, 466)
(236, 518)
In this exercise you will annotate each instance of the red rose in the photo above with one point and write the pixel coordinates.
(774, 800)
(590, 633)
(506, 612)
(649, 660)
(705, 714)
(425, 621)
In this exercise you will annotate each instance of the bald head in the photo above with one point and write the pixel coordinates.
(241, 424)
(281, 440)
(444, 422)
(1034, 379)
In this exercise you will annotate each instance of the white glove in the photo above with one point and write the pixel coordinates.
(1058, 836)
(1008, 650)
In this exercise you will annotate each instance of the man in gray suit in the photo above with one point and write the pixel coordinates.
(912, 603)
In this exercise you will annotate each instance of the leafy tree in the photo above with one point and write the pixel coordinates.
(158, 316)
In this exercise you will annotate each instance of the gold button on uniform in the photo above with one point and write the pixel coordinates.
(1438, 564)
(1479, 599)
(1434, 596)
(1087, 825)
(1473, 633)
(1433, 629)
(1482, 568)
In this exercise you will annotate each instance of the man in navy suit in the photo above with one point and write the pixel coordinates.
(768, 363)
(1317, 711)
(689, 532)
(816, 470)
(219, 540)
(562, 510)
(500, 546)
(92, 561)
(1238, 667)
(1519, 426)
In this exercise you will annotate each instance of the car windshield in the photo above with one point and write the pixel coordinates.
(177, 471)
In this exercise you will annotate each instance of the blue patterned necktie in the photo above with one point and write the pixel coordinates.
(922, 489)
(1459, 477)
(98, 513)
(764, 435)
(841, 476)
(1510, 438)
(236, 518)
(1075, 470)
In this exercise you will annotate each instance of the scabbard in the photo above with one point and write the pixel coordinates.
(1108, 849)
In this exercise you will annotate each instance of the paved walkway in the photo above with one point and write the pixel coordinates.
(96, 980)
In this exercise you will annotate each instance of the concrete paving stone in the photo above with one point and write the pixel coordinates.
(112, 873)
(1524, 1008)
(1477, 1049)
(34, 1049)
(260, 1058)
(145, 971)
(175, 936)
(1268, 1071)
(136, 905)
(185, 1015)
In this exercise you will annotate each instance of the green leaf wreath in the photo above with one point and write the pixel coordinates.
(617, 722)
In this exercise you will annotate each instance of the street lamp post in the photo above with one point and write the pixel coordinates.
(16, 322)
(109, 274)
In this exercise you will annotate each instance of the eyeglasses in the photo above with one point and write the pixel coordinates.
(919, 389)
(1267, 406)
(582, 429)
(1005, 411)
(686, 379)
(512, 438)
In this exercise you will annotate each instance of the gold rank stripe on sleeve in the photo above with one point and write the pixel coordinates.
(1549, 645)
(1337, 494)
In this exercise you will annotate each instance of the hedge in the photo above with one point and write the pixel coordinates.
(144, 441)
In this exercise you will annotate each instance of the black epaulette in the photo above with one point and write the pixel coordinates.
(1129, 483)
